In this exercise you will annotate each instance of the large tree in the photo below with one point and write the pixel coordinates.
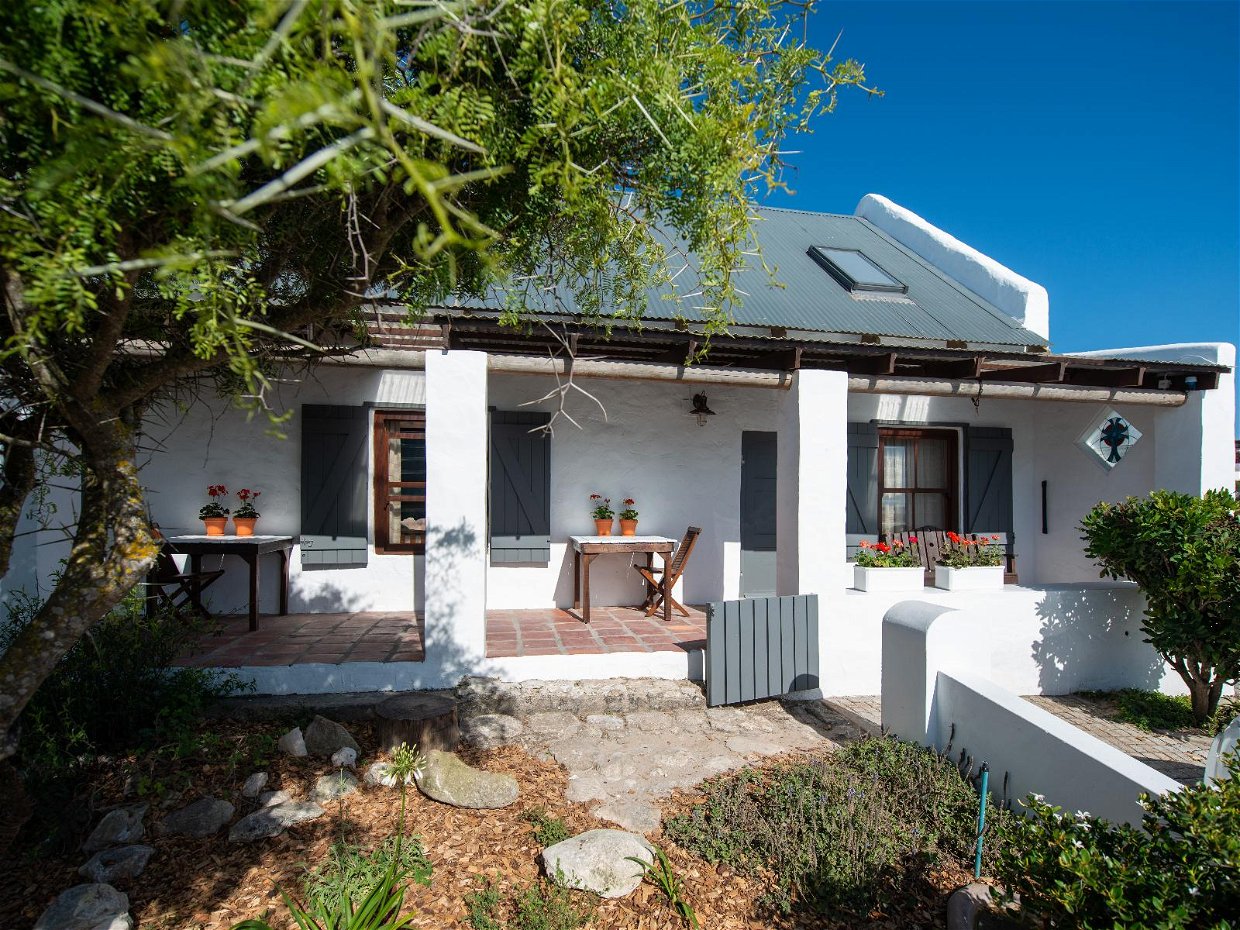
(202, 189)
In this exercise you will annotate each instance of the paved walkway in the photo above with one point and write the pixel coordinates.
(625, 761)
(1178, 754)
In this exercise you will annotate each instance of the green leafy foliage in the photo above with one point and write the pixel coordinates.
(379, 909)
(1184, 552)
(970, 552)
(115, 691)
(661, 874)
(538, 906)
(887, 555)
(351, 872)
(548, 830)
(1181, 870)
(844, 832)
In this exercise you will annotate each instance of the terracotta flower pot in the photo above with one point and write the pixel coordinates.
(215, 525)
(628, 527)
(602, 527)
(245, 525)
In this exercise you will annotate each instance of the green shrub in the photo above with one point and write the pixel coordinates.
(1184, 552)
(1182, 870)
(378, 909)
(538, 906)
(114, 690)
(352, 872)
(837, 833)
(548, 830)
(1149, 710)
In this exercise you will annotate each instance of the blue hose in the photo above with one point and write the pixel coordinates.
(981, 820)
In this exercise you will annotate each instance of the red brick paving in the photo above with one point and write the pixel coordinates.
(332, 639)
(611, 629)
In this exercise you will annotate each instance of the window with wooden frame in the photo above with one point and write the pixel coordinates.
(400, 481)
(917, 480)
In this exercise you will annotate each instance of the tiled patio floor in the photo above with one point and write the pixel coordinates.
(301, 639)
(332, 639)
(611, 629)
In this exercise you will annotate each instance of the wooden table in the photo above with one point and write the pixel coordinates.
(587, 548)
(249, 548)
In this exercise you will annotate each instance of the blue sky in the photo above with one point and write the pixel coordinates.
(1093, 147)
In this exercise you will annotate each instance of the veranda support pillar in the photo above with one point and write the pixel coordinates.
(456, 511)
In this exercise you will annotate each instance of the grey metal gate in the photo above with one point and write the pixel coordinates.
(761, 647)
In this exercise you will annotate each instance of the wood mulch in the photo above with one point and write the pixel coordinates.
(212, 884)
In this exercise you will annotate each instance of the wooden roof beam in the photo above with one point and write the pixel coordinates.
(956, 369)
(1039, 374)
(884, 364)
(1107, 377)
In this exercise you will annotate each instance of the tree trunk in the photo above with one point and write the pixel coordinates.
(1204, 687)
(19, 474)
(112, 550)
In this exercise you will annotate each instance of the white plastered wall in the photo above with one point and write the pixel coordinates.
(214, 443)
(647, 446)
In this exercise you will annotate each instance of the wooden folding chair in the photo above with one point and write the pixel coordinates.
(168, 586)
(661, 588)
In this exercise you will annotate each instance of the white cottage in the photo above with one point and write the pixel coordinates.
(895, 379)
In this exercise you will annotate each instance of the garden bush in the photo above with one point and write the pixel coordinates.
(113, 691)
(1184, 553)
(538, 906)
(1181, 871)
(842, 832)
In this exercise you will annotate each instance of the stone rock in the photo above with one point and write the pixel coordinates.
(323, 737)
(111, 865)
(345, 758)
(605, 721)
(447, 779)
(200, 819)
(966, 904)
(379, 774)
(272, 821)
(88, 907)
(634, 815)
(254, 784)
(333, 786)
(293, 742)
(596, 861)
(270, 798)
(490, 731)
(123, 825)
(552, 725)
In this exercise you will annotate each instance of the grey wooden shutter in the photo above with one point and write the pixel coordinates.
(988, 480)
(335, 471)
(862, 518)
(520, 488)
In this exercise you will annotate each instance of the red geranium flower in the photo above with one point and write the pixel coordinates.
(912, 539)
(883, 547)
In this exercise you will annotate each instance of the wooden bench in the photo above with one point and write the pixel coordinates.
(931, 542)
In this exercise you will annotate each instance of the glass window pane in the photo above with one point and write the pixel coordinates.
(897, 463)
(413, 459)
(895, 513)
(932, 463)
(931, 511)
(859, 267)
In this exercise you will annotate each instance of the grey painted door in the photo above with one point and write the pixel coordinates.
(758, 468)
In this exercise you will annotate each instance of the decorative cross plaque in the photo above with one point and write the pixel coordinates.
(1108, 438)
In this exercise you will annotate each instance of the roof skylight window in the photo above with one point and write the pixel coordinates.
(855, 270)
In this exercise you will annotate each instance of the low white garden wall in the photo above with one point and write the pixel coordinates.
(1048, 639)
(937, 688)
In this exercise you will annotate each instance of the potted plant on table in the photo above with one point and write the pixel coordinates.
(888, 567)
(214, 515)
(969, 564)
(602, 514)
(246, 516)
(628, 518)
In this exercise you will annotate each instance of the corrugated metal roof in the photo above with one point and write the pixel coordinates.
(805, 297)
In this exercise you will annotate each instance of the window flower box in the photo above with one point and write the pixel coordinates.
(882, 580)
(973, 578)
